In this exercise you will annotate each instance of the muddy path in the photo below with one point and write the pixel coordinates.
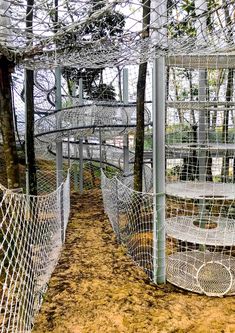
(96, 288)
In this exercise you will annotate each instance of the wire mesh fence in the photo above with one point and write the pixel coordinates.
(32, 233)
(131, 216)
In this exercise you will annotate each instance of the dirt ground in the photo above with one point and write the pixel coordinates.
(96, 288)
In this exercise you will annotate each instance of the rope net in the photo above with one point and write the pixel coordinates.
(32, 234)
(93, 33)
(200, 175)
(92, 41)
(131, 216)
(200, 190)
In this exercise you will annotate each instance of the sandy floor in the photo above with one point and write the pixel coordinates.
(97, 289)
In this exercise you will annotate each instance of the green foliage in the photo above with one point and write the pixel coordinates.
(179, 134)
(188, 6)
(216, 136)
(184, 27)
(148, 143)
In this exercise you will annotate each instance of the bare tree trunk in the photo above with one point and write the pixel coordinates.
(30, 153)
(139, 139)
(29, 102)
(220, 80)
(191, 95)
(141, 85)
(7, 124)
(181, 118)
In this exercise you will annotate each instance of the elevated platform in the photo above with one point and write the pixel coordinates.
(88, 120)
(201, 105)
(186, 149)
(201, 190)
(212, 61)
(218, 231)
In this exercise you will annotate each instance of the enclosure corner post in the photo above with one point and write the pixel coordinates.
(158, 114)
(125, 137)
(80, 141)
(59, 150)
(62, 213)
(81, 165)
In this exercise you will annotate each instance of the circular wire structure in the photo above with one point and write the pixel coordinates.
(214, 278)
(202, 272)
(86, 120)
(88, 37)
(216, 231)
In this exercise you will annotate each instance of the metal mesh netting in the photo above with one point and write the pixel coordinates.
(82, 32)
(32, 234)
(131, 216)
(200, 185)
(85, 121)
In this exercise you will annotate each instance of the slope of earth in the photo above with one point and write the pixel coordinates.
(96, 288)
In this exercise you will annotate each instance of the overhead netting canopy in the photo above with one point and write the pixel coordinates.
(107, 33)
(92, 41)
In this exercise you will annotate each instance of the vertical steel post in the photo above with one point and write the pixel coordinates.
(59, 150)
(202, 139)
(75, 168)
(80, 141)
(100, 146)
(202, 126)
(201, 28)
(69, 151)
(125, 136)
(81, 165)
(159, 238)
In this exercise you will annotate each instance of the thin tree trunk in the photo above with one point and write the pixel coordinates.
(30, 153)
(139, 139)
(141, 85)
(29, 103)
(7, 124)
(221, 76)
(181, 119)
(191, 95)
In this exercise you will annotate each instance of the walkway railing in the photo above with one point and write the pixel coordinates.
(131, 217)
(32, 230)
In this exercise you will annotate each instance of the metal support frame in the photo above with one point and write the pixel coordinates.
(59, 145)
(126, 168)
(81, 165)
(69, 151)
(202, 139)
(201, 28)
(202, 125)
(159, 106)
(62, 213)
(80, 141)
(100, 147)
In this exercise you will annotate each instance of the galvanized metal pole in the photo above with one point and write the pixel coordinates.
(80, 141)
(159, 237)
(125, 136)
(59, 150)
(81, 165)
(69, 151)
(100, 141)
(201, 28)
(202, 127)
